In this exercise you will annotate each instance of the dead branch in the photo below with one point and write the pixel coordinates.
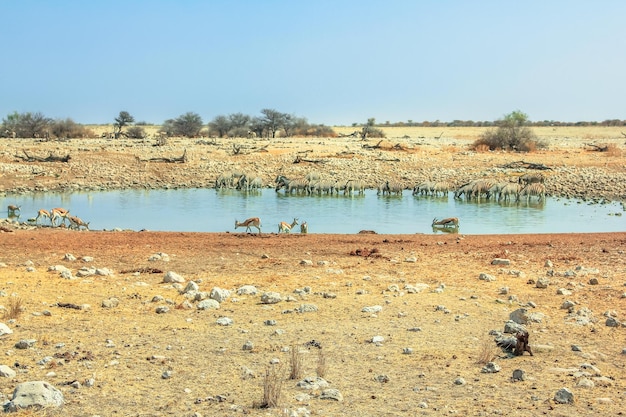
(49, 158)
(388, 160)
(623, 134)
(377, 146)
(181, 159)
(439, 137)
(597, 148)
(312, 161)
(144, 270)
(526, 165)
(351, 135)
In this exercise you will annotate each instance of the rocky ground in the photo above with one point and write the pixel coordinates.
(348, 325)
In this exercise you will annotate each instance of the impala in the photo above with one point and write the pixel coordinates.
(284, 227)
(248, 223)
(447, 222)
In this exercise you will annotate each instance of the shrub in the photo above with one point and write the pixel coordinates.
(136, 132)
(272, 388)
(511, 135)
(68, 129)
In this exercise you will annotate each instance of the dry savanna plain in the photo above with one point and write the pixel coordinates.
(313, 324)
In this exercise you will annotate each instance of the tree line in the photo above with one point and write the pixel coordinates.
(269, 124)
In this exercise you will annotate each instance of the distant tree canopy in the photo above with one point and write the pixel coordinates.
(121, 121)
(268, 125)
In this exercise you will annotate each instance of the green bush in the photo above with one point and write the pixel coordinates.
(512, 134)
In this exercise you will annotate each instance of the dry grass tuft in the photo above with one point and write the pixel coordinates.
(272, 388)
(296, 363)
(321, 368)
(14, 309)
(487, 351)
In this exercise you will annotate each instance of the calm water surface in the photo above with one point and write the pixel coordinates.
(208, 210)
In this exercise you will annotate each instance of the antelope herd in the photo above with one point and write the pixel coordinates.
(56, 217)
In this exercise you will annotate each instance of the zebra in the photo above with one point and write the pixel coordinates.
(510, 191)
(424, 188)
(322, 186)
(297, 184)
(442, 187)
(351, 186)
(481, 187)
(248, 182)
(312, 176)
(390, 188)
(464, 190)
(535, 189)
(224, 180)
(496, 190)
(536, 177)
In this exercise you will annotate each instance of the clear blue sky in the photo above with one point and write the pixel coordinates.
(332, 61)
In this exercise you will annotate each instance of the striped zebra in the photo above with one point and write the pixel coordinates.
(424, 188)
(441, 187)
(464, 190)
(313, 176)
(496, 190)
(353, 186)
(533, 190)
(248, 182)
(296, 184)
(481, 187)
(322, 187)
(535, 177)
(510, 192)
(390, 188)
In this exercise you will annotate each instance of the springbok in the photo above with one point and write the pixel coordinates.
(304, 228)
(248, 223)
(447, 222)
(77, 223)
(59, 213)
(284, 227)
(42, 213)
(11, 209)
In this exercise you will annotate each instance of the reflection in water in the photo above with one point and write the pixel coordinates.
(208, 210)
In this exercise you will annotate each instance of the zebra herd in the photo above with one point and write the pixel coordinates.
(524, 187)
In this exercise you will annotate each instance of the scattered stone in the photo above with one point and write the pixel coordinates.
(167, 374)
(307, 308)
(248, 345)
(585, 383)
(542, 283)
(173, 277)
(247, 290)
(459, 381)
(220, 295)
(407, 351)
(162, 309)
(519, 375)
(209, 304)
(576, 348)
(564, 396)
(411, 259)
(7, 372)
(25, 343)
(548, 264)
(372, 309)
(377, 340)
(491, 368)
(383, 379)
(4, 329)
(37, 394)
(486, 277)
(225, 321)
(270, 298)
(312, 383)
(501, 261)
(306, 262)
(612, 322)
(594, 281)
(110, 302)
(191, 287)
(331, 394)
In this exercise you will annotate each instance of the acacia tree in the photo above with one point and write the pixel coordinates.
(272, 120)
(124, 119)
(220, 126)
(188, 125)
